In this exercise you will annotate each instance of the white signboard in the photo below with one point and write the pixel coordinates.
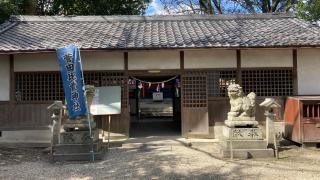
(106, 101)
(157, 96)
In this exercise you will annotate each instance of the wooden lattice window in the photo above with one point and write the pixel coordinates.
(47, 86)
(311, 110)
(194, 91)
(271, 82)
(217, 81)
(38, 86)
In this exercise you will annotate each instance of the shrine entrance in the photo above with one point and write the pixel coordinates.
(155, 105)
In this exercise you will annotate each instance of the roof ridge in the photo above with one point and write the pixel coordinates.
(26, 18)
(6, 26)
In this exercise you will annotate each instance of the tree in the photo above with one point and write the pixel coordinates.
(309, 10)
(99, 7)
(227, 6)
(266, 6)
(71, 7)
(193, 6)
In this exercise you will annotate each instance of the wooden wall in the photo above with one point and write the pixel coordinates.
(24, 116)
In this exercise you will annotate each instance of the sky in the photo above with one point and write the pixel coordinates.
(155, 8)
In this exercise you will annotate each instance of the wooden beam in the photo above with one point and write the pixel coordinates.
(12, 80)
(125, 57)
(181, 60)
(239, 78)
(295, 71)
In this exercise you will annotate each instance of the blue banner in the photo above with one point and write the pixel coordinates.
(71, 74)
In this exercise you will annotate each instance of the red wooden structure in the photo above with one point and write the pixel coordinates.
(302, 119)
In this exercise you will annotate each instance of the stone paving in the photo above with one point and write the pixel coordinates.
(161, 158)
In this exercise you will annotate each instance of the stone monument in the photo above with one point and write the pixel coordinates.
(80, 139)
(243, 137)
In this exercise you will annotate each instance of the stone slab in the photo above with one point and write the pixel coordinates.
(241, 123)
(249, 153)
(241, 118)
(78, 137)
(245, 144)
(73, 126)
(76, 148)
(79, 156)
(242, 133)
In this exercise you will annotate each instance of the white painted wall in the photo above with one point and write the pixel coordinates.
(308, 71)
(102, 60)
(4, 78)
(146, 60)
(35, 62)
(266, 58)
(210, 59)
(48, 62)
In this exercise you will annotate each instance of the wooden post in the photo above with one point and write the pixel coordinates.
(231, 145)
(109, 124)
(295, 71)
(238, 76)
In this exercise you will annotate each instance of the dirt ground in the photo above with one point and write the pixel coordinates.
(161, 159)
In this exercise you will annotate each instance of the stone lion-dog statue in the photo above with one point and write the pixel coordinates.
(242, 107)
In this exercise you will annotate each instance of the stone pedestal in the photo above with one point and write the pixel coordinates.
(78, 146)
(246, 143)
(79, 125)
(242, 133)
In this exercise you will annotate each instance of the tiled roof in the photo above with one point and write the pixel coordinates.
(34, 33)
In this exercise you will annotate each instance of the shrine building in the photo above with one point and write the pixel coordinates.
(173, 70)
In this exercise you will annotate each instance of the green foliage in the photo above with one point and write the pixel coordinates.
(99, 7)
(309, 10)
(71, 7)
(6, 8)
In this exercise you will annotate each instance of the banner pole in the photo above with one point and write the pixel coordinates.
(88, 110)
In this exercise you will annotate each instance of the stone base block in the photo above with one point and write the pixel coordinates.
(77, 148)
(79, 156)
(78, 137)
(245, 144)
(241, 123)
(242, 133)
(249, 153)
(77, 125)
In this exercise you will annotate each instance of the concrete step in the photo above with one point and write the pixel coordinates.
(245, 144)
(249, 153)
(76, 148)
(79, 156)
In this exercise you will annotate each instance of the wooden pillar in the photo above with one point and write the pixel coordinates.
(295, 71)
(125, 57)
(12, 80)
(239, 78)
(181, 60)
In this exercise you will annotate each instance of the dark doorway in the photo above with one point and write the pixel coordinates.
(155, 106)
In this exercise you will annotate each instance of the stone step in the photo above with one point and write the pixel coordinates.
(249, 153)
(79, 156)
(76, 148)
(245, 144)
(78, 137)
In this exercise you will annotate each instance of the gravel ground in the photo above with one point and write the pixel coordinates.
(158, 159)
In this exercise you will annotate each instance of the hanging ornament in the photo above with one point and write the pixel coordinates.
(177, 86)
(177, 83)
(140, 85)
(158, 88)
